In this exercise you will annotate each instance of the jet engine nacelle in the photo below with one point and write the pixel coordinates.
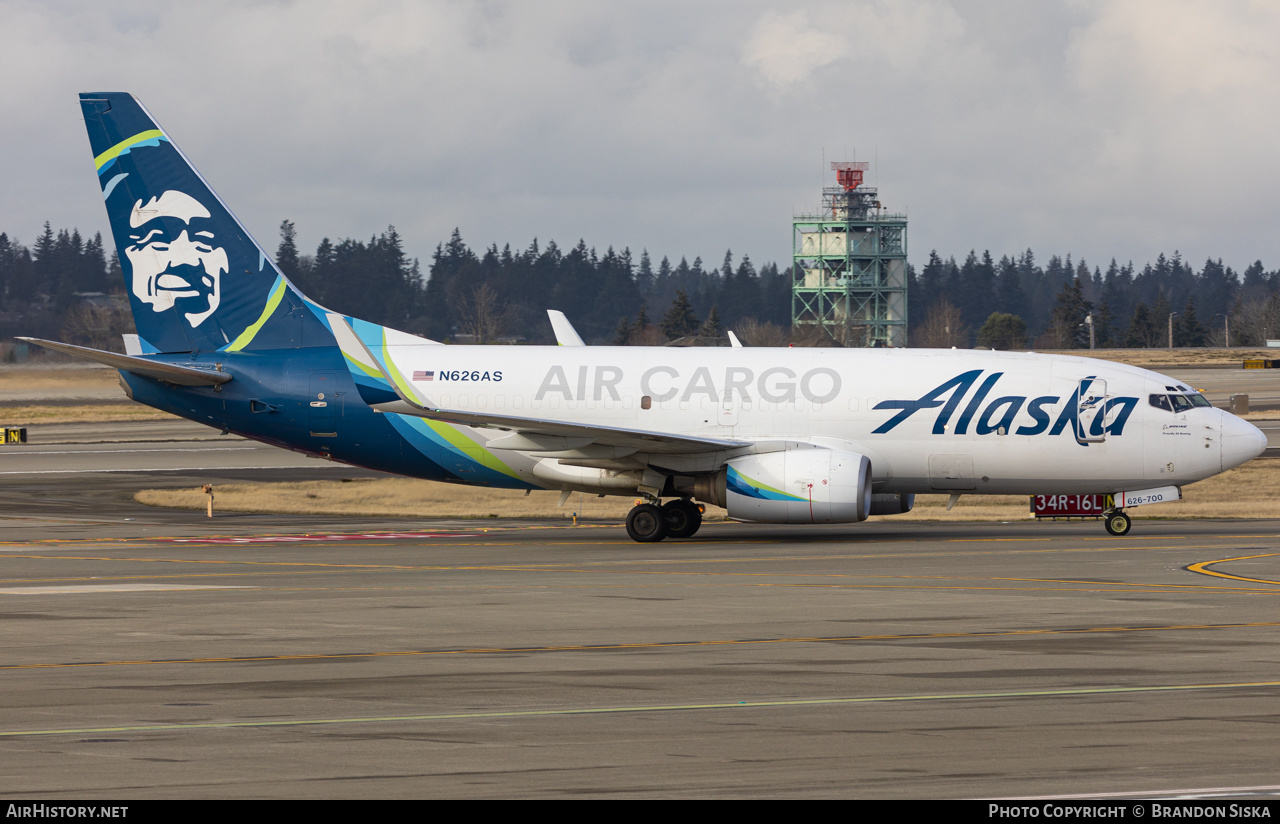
(801, 486)
(892, 503)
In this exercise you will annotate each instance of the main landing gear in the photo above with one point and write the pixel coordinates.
(680, 518)
(1116, 522)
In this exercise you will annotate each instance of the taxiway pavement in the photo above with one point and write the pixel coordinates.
(159, 654)
(151, 653)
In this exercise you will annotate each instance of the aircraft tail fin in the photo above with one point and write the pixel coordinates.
(197, 280)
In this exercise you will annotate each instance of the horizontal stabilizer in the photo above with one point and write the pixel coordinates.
(168, 372)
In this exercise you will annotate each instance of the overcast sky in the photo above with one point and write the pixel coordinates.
(1102, 129)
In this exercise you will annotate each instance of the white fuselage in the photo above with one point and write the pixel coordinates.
(958, 421)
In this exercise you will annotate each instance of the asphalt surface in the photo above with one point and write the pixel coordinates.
(153, 653)
(1219, 384)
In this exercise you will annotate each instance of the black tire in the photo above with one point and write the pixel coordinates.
(683, 518)
(1117, 523)
(646, 524)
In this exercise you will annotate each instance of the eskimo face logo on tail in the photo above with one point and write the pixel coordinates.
(175, 257)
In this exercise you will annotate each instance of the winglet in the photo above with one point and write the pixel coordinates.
(733, 340)
(566, 335)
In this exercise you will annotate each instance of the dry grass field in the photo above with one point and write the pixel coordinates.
(29, 379)
(59, 376)
(34, 414)
(1252, 491)
(1172, 358)
(392, 498)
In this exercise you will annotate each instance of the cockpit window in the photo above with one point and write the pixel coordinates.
(1175, 402)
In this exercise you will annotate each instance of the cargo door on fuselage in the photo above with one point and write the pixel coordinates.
(1092, 411)
(328, 398)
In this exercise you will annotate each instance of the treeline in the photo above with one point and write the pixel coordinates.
(1054, 305)
(60, 286)
(66, 286)
(503, 295)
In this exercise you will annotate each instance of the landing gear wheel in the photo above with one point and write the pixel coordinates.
(683, 518)
(1117, 523)
(645, 523)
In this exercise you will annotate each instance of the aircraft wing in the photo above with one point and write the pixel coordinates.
(547, 435)
(539, 434)
(168, 372)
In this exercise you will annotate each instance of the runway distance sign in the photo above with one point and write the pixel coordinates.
(1071, 506)
(1095, 506)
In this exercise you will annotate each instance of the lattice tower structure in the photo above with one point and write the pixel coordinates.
(849, 265)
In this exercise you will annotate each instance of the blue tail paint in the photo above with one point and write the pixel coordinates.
(197, 280)
(206, 296)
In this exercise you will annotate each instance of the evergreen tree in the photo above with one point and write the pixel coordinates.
(932, 285)
(1256, 285)
(1188, 331)
(1142, 332)
(287, 251)
(622, 334)
(642, 319)
(7, 256)
(1160, 319)
(711, 327)
(43, 262)
(1217, 289)
(1102, 327)
(644, 274)
(1069, 328)
(95, 266)
(680, 321)
(1010, 297)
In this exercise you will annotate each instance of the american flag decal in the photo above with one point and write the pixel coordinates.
(419, 375)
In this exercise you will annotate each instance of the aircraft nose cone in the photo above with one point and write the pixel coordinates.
(1241, 442)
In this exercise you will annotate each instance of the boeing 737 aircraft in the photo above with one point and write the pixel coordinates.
(773, 435)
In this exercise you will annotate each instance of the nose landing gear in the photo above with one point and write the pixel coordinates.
(1116, 522)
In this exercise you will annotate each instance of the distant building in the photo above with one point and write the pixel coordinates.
(849, 265)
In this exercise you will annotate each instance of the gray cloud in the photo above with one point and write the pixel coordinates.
(1101, 129)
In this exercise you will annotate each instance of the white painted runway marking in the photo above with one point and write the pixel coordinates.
(143, 451)
(317, 465)
(82, 589)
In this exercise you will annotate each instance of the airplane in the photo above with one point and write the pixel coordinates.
(773, 435)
